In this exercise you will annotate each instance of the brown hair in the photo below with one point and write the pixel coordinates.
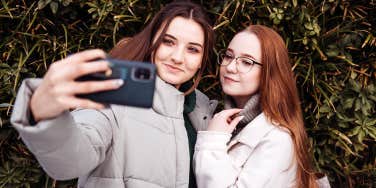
(140, 47)
(280, 99)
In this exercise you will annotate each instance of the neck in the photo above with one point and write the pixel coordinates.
(240, 101)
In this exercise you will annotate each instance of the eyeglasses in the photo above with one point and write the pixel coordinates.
(243, 64)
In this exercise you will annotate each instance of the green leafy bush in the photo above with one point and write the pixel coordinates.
(331, 43)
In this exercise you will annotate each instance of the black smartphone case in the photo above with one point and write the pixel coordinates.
(138, 87)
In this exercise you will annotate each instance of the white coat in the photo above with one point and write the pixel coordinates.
(261, 155)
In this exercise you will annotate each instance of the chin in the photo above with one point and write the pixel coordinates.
(172, 79)
(234, 92)
(228, 91)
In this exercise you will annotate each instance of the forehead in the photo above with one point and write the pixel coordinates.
(246, 43)
(186, 30)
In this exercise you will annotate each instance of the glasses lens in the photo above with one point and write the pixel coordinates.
(224, 57)
(221, 57)
(245, 64)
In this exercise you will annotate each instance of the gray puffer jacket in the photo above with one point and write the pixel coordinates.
(119, 146)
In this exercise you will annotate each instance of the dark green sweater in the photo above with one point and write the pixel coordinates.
(189, 105)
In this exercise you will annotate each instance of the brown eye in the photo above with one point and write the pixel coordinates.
(246, 61)
(167, 42)
(228, 56)
(193, 49)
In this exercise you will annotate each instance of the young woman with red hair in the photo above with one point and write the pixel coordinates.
(260, 139)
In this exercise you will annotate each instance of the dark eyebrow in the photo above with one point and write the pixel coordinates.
(229, 49)
(192, 43)
(168, 35)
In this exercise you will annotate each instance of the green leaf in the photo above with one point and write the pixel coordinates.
(354, 131)
(91, 10)
(280, 16)
(332, 53)
(43, 3)
(324, 109)
(361, 136)
(355, 85)
(366, 108)
(345, 147)
(295, 3)
(348, 103)
(308, 26)
(54, 6)
(67, 2)
(316, 28)
(342, 136)
(358, 104)
(372, 131)
(370, 122)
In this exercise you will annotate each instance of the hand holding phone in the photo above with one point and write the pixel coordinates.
(138, 87)
(57, 91)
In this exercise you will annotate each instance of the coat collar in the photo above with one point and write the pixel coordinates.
(168, 100)
(253, 133)
(202, 112)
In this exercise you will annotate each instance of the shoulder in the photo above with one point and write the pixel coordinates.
(203, 101)
(203, 111)
(262, 130)
(200, 97)
(281, 137)
(278, 135)
(278, 140)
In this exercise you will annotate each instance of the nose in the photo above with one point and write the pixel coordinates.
(178, 54)
(231, 67)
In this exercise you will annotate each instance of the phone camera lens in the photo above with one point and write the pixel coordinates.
(143, 74)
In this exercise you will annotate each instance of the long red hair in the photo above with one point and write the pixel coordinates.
(280, 99)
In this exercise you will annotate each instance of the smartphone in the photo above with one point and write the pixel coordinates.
(138, 87)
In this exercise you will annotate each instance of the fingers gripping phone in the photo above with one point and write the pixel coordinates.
(138, 87)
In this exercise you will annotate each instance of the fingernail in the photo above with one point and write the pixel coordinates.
(119, 82)
(240, 118)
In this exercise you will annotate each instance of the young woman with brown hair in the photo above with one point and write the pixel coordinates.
(122, 146)
(268, 146)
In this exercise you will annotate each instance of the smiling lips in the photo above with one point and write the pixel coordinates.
(229, 79)
(173, 69)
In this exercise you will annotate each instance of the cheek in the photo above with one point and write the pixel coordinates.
(193, 63)
(222, 70)
(252, 81)
(161, 53)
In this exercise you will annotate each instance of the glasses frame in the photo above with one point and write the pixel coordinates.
(220, 60)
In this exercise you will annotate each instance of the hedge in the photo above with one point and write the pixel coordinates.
(331, 44)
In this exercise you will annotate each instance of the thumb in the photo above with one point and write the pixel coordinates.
(235, 121)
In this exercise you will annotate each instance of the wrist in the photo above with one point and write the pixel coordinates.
(34, 117)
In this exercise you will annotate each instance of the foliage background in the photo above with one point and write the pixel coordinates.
(331, 43)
